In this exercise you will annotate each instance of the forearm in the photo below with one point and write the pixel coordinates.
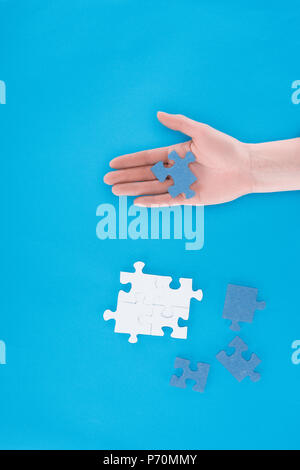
(275, 166)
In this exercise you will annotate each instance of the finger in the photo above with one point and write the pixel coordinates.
(149, 157)
(142, 173)
(178, 122)
(137, 188)
(146, 157)
(161, 200)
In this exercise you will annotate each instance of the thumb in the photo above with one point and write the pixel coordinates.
(177, 122)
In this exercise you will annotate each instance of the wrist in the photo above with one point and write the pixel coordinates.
(275, 166)
(258, 169)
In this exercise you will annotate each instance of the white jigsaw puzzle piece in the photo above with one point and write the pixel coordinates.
(182, 296)
(175, 298)
(150, 287)
(130, 317)
(168, 317)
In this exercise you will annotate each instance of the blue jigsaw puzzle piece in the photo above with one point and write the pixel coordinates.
(239, 367)
(240, 305)
(199, 376)
(179, 172)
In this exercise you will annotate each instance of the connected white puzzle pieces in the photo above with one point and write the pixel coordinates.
(152, 305)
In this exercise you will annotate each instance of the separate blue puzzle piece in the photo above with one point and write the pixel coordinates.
(199, 376)
(240, 305)
(239, 367)
(180, 172)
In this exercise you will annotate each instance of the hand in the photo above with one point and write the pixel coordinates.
(222, 167)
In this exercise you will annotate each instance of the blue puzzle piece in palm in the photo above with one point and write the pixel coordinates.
(180, 172)
(240, 305)
(239, 367)
(199, 376)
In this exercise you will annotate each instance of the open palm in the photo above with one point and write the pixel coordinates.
(222, 167)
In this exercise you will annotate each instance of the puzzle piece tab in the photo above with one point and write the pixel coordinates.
(239, 367)
(199, 376)
(152, 305)
(180, 172)
(240, 305)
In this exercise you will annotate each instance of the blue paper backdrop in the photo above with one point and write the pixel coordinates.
(84, 80)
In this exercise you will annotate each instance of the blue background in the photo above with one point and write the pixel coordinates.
(84, 81)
